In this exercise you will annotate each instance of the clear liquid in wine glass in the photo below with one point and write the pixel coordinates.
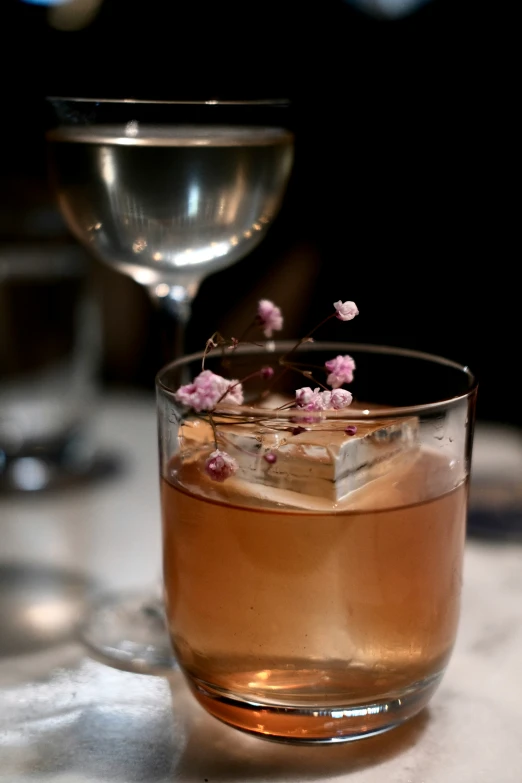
(165, 204)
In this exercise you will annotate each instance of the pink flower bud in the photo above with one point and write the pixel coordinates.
(341, 371)
(267, 372)
(309, 399)
(340, 398)
(220, 466)
(345, 310)
(269, 316)
(270, 457)
(351, 429)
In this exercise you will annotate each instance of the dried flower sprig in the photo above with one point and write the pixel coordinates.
(208, 390)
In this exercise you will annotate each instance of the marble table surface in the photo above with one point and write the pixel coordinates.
(66, 718)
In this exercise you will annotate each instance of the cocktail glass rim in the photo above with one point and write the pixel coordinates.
(346, 413)
(180, 102)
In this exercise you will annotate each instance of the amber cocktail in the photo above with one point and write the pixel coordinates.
(316, 598)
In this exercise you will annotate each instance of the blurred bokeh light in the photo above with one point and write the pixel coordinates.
(69, 14)
(388, 8)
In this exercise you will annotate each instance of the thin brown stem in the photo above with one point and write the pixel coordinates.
(214, 428)
(237, 383)
(212, 345)
(283, 360)
(307, 336)
(300, 364)
(241, 339)
(307, 375)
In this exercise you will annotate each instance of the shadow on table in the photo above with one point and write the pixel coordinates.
(32, 477)
(218, 754)
(39, 607)
(80, 720)
(83, 720)
(496, 525)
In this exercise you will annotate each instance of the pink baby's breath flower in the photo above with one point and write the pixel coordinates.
(341, 371)
(314, 400)
(270, 317)
(267, 372)
(345, 310)
(234, 395)
(340, 398)
(270, 457)
(309, 399)
(220, 465)
(303, 396)
(351, 429)
(207, 389)
(326, 399)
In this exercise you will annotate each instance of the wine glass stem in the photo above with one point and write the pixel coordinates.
(174, 320)
(174, 314)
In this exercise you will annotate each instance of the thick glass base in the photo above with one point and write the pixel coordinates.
(128, 632)
(317, 724)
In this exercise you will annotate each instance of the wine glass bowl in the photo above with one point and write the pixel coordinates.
(168, 193)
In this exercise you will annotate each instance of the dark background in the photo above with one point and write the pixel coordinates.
(399, 194)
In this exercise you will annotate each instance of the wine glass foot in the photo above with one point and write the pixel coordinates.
(129, 632)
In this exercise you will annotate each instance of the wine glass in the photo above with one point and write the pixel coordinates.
(166, 192)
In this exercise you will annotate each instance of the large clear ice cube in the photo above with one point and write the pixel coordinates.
(321, 462)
